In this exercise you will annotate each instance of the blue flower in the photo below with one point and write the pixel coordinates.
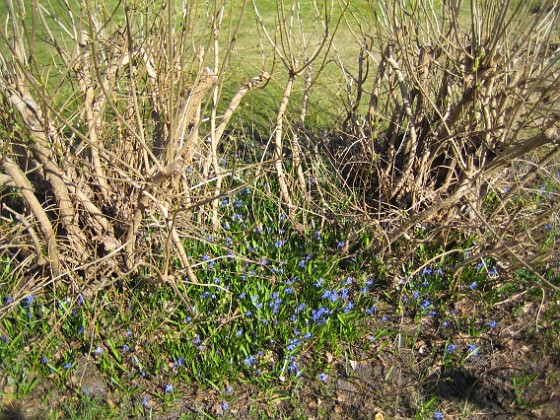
(99, 350)
(323, 377)
(145, 401)
(125, 348)
(280, 243)
(451, 348)
(349, 306)
(292, 344)
(319, 282)
(473, 349)
(168, 388)
(427, 271)
(224, 405)
(180, 362)
(249, 361)
(473, 285)
(319, 315)
(229, 390)
(492, 324)
(307, 335)
(239, 332)
(67, 366)
(438, 415)
(493, 272)
(8, 300)
(340, 244)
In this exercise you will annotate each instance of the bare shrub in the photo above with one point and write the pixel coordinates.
(459, 92)
(102, 152)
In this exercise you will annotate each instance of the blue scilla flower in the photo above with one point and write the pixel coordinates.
(168, 388)
(371, 310)
(473, 285)
(323, 377)
(319, 282)
(438, 415)
(425, 305)
(473, 349)
(249, 361)
(340, 244)
(451, 348)
(8, 300)
(319, 315)
(292, 344)
(302, 264)
(427, 271)
(301, 307)
(348, 307)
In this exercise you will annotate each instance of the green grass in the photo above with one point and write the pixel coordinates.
(270, 306)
